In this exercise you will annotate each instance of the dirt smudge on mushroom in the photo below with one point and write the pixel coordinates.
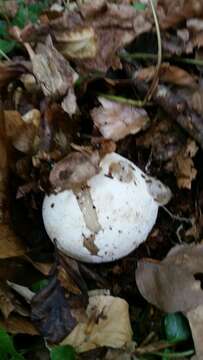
(122, 171)
(90, 245)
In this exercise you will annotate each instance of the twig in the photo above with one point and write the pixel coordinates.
(159, 55)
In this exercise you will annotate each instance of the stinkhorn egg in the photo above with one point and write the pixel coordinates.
(108, 217)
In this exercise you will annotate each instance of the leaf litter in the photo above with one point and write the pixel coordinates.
(75, 79)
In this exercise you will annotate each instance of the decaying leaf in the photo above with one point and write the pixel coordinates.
(115, 120)
(51, 69)
(184, 166)
(74, 170)
(103, 326)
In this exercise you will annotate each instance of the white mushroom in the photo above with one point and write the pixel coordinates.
(109, 217)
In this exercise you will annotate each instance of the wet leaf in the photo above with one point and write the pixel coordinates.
(51, 313)
(115, 120)
(56, 310)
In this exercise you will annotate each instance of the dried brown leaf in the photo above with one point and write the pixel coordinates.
(168, 74)
(18, 325)
(52, 70)
(6, 303)
(23, 131)
(172, 12)
(173, 284)
(103, 326)
(9, 73)
(98, 34)
(74, 170)
(184, 166)
(115, 120)
(10, 244)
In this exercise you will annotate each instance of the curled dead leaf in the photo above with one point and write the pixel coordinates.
(115, 120)
(103, 326)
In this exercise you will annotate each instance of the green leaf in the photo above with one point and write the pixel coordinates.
(41, 284)
(65, 352)
(176, 327)
(139, 6)
(6, 46)
(29, 13)
(7, 349)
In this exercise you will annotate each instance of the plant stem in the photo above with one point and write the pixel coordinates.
(174, 355)
(147, 56)
(123, 100)
(2, 53)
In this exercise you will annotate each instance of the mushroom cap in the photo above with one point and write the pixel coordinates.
(108, 218)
